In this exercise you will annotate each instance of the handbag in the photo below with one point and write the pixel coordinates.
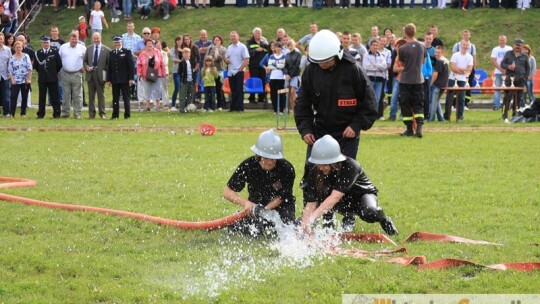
(151, 74)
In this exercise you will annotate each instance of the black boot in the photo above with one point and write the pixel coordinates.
(409, 131)
(419, 125)
(347, 224)
(388, 226)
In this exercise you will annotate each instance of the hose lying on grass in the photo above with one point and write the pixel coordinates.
(420, 261)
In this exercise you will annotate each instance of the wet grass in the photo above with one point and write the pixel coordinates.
(474, 184)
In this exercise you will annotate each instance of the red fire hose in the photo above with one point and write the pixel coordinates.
(420, 261)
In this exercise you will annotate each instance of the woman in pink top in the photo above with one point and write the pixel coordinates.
(150, 57)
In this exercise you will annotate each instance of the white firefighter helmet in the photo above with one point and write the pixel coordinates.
(269, 145)
(326, 151)
(323, 46)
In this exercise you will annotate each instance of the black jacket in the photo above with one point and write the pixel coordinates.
(292, 63)
(120, 69)
(255, 57)
(331, 100)
(182, 69)
(48, 65)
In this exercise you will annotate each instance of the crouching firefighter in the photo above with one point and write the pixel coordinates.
(338, 183)
(270, 180)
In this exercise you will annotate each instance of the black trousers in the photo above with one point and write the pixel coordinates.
(116, 90)
(52, 87)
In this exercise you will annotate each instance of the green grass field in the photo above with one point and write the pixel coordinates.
(477, 179)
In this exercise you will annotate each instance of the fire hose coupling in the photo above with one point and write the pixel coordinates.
(259, 211)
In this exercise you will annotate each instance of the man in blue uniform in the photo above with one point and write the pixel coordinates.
(48, 64)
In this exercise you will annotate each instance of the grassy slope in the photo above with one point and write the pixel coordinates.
(485, 24)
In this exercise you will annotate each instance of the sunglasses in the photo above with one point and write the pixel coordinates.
(146, 33)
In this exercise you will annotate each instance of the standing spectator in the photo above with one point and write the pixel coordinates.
(20, 74)
(204, 45)
(434, 30)
(187, 76)
(356, 44)
(10, 9)
(127, 6)
(97, 18)
(72, 54)
(5, 93)
(258, 48)
(427, 71)
(187, 42)
(304, 41)
(130, 39)
(218, 52)
(276, 64)
(461, 64)
(5, 20)
(466, 36)
(517, 67)
(497, 55)
(9, 40)
(530, 80)
(48, 64)
(237, 57)
(209, 75)
(375, 65)
(82, 28)
(96, 61)
(411, 94)
(176, 57)
(374, 35)
(56, 42)
(120, 73)
(397, 68)
(150, 57)
(164, 7)
(293, 59)
(439, 80)
(164, 80)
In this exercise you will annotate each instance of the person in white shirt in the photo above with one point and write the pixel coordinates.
(72, 55)
(461, 65)
(497, 55)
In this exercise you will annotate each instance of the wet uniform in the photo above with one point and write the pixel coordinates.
(360, 193)
(263, 186)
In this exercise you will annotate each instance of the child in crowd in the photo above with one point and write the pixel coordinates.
(82, 28)
(209, 75)
(116, 11)
(187, 89)
(97, 18)
(161, 45)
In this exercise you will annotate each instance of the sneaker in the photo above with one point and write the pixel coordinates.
(203, 110)
(166, 17)
(142, 17)
(220, 109)
(77, 116)
(466, 108)
(210, 111)
(172, 109)
(388, 226)
(23, 116)
(281, 5)
(382, 118)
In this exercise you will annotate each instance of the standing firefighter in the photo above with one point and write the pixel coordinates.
(335, 97)
(411, 93)
(270, 180)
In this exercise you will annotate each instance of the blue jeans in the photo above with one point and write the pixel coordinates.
(497, 94)
(377, 88)
(530, 86)
(209, 98)
(177, 83)
(450, 99)
(434, 104)
(394, 102)
(127, 6)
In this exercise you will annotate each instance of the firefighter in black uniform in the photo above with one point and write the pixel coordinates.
(48, 63)
(335, 98)
(338, 183)
(120, 73)
(270, 180)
